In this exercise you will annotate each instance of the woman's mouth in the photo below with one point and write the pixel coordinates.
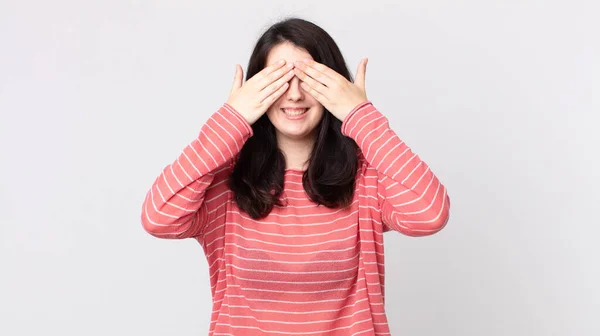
(294, 113)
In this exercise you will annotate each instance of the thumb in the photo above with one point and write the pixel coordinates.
(238, 78)
(361, 73)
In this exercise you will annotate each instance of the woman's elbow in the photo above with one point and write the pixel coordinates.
(429, 223)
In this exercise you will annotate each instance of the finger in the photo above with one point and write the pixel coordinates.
(316, 94)
(324, 69)
(238, 78)
(361, 74)
(274, 76)
(259, 78)
(315, 74)
(275, 95)
(311, 82)
(273, 87)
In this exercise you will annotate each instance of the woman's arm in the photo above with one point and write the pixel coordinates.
(175, 205)
(412, 199)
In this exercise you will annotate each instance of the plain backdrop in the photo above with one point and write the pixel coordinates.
(500, 98)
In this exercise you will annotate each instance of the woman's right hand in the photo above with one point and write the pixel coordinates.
(253, 98)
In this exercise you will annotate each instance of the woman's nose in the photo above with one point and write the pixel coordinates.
(295, 92)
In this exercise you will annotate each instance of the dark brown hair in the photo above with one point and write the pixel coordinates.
(258, 175)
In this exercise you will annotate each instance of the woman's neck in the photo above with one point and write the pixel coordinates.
(296, 152)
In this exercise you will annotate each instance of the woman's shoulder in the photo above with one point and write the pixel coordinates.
(364, 167)
(220, 178)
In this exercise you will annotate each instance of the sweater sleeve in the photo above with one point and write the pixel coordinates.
(411, 198)
(175, 206)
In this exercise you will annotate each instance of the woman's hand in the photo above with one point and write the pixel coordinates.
(332, 90)
(253, 98)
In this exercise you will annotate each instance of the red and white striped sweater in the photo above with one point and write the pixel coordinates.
(304, 269)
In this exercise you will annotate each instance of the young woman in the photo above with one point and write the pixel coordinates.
(289, 188)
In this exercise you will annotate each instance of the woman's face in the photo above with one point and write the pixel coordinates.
(290, 124)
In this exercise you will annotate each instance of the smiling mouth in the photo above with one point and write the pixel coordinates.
(294, 112)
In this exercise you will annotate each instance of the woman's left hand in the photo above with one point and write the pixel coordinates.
(332, 90)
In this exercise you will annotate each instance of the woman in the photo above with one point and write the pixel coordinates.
(289, 187)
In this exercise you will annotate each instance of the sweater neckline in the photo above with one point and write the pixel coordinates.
(295, 170)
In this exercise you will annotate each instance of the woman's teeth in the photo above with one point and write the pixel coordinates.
(294, 112)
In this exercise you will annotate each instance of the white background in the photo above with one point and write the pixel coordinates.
(500, 98)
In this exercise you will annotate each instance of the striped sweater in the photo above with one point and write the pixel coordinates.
(304, 269)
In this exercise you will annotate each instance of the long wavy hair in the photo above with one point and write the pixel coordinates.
(258, 173)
